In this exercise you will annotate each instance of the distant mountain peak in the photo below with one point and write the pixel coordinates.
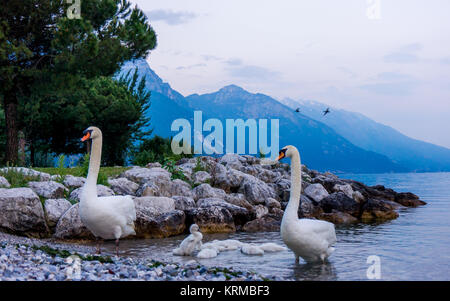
(232, 89)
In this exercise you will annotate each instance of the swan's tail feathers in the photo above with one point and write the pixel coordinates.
(177, 251)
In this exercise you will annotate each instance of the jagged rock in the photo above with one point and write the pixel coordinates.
(142, 175)
(180, 187)
(337, 217)
(148, 189)
(346, 188)
(54, 209)
(154, 205)
(276, 213)
(238, 199)
(232, 160)
(316, 192)
(43, 176)
(284, 189)
(123, 186)
(339, 201)
(101, 191)
(206, 191)
(226, 178)
(183, 202)
(308, 208)
(201, 177)
(4, 183)
(211, 219)
(264, 224)
(357, 196)
(257, 191)
(408, 199)
(48, 189)
(240, 215)
(272, 203)
(156, 217)
(377, 210)
(70, 226)
(22, 212)
(74, 182)
(260, 211)
(168, 224)
(153, 164)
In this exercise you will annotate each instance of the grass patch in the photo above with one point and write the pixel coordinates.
(79, 171)
(16, 178)
(155, 264)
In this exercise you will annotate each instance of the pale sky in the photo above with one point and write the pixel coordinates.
(395, 69)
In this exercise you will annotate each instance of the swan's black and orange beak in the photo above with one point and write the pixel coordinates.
(281, 154)
(87, 135)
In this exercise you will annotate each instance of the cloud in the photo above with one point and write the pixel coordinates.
(252, 72)
(234, 62)
(170, 17)
(392, 83)
(190, 66)
(445, 60)
(404, 55)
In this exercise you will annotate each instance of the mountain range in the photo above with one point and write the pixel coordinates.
(341, 142)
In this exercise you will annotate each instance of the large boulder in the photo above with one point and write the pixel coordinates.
(70, 226)
(201, 177)
(308, 208)
(123, 186)
(54, 209)
(22, 212)
(142, 175)
(263, 224)
(102, 190)
(316, 192)
(73, 182)
(337, 217)
(232, 161)
(408, 199)
(48, 189)
(378, 210)
(283, 188)
(214, 219)
(257, 191)
(240, 215)
(206, 191)
(183, 202)
(4, 183)
(238, 199)
(227, 179)
(339, 201)
(180, 187)
(156, 217)
(345, 188)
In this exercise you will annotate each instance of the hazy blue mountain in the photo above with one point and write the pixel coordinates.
(165, 102)
(321, 147)
(373, 136)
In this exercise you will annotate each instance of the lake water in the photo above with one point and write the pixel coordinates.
(415, 246)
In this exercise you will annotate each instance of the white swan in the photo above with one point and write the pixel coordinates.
(109, 217)
(251, 249)
(307, 238)
(191, 243)
(207, 253)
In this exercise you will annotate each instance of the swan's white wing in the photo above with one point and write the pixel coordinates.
(121, 205)
(321, 228)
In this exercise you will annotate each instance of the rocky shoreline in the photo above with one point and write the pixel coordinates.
(226, 194)
(30, 259)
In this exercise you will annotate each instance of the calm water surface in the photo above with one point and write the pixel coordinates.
(416, 246)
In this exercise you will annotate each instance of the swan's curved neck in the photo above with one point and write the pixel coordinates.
(296, 186)
(94, 161)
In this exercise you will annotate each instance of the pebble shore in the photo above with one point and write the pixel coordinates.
(25, 259)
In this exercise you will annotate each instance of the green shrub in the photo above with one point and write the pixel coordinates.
(16, 178)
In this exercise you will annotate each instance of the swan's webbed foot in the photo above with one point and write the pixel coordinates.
(297, 260)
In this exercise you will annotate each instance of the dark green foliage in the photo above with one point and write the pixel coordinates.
(53, 67)
(156, 149)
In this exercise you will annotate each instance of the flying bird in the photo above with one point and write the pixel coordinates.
(297, 110)
(326, 111)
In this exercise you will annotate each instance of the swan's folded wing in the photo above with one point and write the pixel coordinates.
(123, 205)
(321, 228)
